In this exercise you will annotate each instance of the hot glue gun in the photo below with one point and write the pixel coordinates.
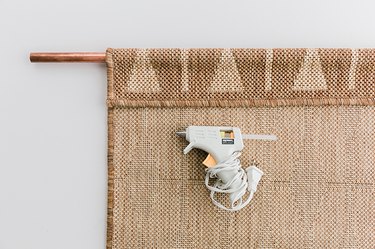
(224, 146)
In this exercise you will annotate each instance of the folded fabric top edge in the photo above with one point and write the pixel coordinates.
(240, 77)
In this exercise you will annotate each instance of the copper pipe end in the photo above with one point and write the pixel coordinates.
(68, 57)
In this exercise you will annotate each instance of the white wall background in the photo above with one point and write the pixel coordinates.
(53, 116)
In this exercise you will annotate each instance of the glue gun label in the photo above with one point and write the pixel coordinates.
(227, 141)
(227, 136)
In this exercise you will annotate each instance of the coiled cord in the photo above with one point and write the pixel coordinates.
(232, 164)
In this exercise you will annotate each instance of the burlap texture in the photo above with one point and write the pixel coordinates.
(318, 186)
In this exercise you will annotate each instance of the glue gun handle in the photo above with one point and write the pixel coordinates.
(189, 148)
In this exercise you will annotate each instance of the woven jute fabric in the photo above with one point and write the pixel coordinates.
(318, 185)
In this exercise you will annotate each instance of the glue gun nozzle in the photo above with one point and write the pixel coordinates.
(181, 133)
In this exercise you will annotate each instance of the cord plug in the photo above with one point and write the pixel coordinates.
(253, 177)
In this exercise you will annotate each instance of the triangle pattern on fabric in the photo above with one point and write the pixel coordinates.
(352, 70)
(185, 70)
(227, 77)
(143, 77)
(268, 70)
(310, 76)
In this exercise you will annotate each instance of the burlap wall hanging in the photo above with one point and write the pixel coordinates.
(318, 185)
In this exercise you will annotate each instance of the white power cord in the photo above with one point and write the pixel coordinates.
(237, 186)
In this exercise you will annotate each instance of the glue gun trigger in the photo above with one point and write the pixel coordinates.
(209, 161)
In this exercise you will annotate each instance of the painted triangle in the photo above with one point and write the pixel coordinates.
(143, 77)
(352, 70)
(185, 70)
(227, 77)
(310, 76)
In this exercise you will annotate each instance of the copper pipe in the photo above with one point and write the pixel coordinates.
(68, 57)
